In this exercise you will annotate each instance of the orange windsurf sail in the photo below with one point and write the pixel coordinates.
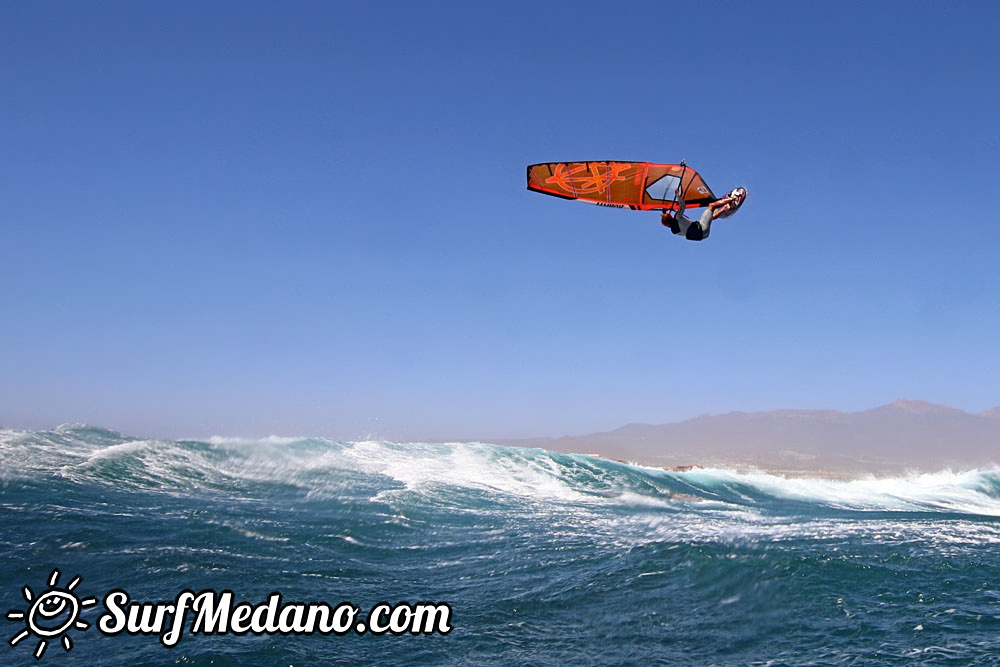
(641, 186)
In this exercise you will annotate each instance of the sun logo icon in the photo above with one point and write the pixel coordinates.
(51, 614)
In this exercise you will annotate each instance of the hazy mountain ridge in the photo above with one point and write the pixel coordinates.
(905, 434)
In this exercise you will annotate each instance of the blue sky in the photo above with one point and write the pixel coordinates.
(311, 218)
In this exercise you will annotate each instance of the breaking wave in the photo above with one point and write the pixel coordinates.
(323, 468)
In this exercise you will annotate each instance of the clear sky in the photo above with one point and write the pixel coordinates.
(310, 218)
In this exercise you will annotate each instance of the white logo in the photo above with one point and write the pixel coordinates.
(51, 614)
(54, 612)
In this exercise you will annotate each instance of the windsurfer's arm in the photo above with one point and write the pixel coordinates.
(681, 204)
(677, 222)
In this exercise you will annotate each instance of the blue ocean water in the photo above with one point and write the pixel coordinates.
(544, 558)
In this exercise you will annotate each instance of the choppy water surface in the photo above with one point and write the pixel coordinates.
(544, 558)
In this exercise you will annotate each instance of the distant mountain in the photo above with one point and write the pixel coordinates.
(899, 436)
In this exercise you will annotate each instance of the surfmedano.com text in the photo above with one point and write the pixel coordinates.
(214, 613)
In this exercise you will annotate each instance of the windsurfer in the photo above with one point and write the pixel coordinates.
(698, 230)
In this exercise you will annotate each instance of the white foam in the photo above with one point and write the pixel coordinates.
(422, 466)
(113, 451)
(944, 490)
(268, 440)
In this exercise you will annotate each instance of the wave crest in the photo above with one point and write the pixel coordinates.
(439, 471)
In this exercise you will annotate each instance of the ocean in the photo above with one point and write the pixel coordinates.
(530, 557)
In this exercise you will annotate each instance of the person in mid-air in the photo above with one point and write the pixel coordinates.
(697, 230)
